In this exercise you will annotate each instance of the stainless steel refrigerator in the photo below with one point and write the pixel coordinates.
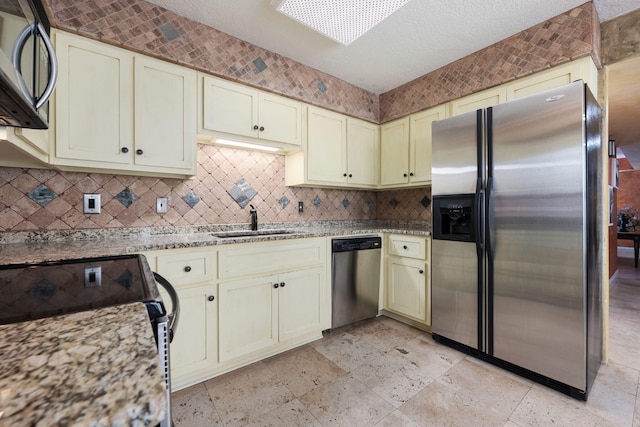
(516, 249)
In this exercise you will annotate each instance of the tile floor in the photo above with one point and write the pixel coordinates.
(384, 373)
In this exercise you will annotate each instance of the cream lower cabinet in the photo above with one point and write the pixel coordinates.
(194, 350)
(120, 112)
(272, 296)
(408, 284)
(258, 313)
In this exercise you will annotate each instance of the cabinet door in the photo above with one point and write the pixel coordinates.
(363, 148)
(479, 100)
(326, 146)
(229, 107)
(394, 152)
(195, 345)
(281, 119)
(248, 316)
(165, 115)
(407, 287)
(93, 102)
(580, 69)
(420, 143)
(299, 303)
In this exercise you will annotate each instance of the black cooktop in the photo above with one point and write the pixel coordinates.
(36, 291)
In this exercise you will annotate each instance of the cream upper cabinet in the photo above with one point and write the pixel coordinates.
(363, 148)
(340, 151)
(583, 68)
(164, 111)
(326, 146)
(121, 112)
(394, 152)
(484, 99)
(232, 110)
(406, 149)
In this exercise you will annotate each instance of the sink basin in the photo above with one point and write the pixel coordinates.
(249, 233)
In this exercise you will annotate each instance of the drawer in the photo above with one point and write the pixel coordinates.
(407, 246)
(271, 258)
(187, 268)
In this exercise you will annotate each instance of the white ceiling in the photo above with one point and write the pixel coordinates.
(420, 37)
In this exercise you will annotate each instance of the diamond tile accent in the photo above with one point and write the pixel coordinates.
(43, 290)
(126, 279)
(425, 201)
(242, 192)
(322, 87)
(345, 202)
(126, 197)
(394, 202)
(218, 169)
(284, 201)
(259, 64)
(191, 199)
(169, 32)
(42, 195)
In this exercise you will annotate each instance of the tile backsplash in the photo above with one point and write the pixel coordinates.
(38, 199)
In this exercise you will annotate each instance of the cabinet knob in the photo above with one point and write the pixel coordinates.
(405, 247)
(411, 174)
(261, 128)
(405, 175)
(421, 272)
(276, 285)
(350, 175)
(211, 298)
(344, 174)
(124, 149)
(255, 127)
(187, 268)
(282, 284)
(139, 152)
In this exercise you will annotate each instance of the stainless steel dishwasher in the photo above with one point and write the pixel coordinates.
(355, 279)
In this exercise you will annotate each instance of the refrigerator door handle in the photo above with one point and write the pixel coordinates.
(491, 247)
(477, 214)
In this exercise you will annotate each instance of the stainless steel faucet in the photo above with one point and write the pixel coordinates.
(254, 218)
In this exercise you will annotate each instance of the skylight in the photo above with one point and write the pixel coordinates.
(340, 20)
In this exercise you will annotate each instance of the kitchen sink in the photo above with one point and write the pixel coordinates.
(250, 233)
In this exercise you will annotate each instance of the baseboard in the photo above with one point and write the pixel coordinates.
(625, 252)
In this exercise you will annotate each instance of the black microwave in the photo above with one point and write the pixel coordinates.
(28, 68)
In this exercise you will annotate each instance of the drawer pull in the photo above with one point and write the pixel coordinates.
(276, 285)
(187, 268)
(421, 271)
(282, 284)
(211, 298)
(405, 247)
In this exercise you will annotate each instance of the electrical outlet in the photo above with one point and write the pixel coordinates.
(92, 277)
(161, 205)
(91, 204)
(300, 207)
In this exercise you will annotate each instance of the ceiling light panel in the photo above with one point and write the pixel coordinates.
(340, 20)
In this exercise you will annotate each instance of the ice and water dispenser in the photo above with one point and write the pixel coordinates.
(454, 218)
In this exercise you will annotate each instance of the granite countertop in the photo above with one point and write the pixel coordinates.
(59, 371)
(30, 247)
